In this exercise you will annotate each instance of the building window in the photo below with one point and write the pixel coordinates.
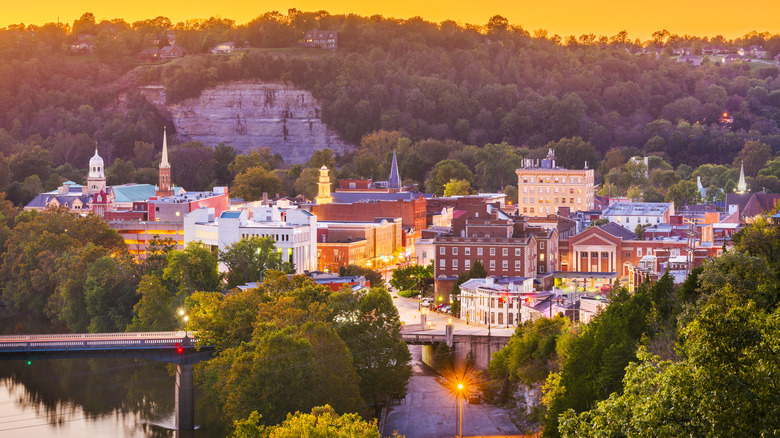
(454, 250)
(517, 264)
(479, 251)
(467, 264)
(442, 250)
(504, 252)
(604, 255)
(505, 265)
(455, 263)
(442, 263)
(467, 251)
(525, 189)
(492, 251)
(532, 200)
(518, 252)
(525, 200)
(492, 264)
(541, 269)
(639, 252)
(541, 245)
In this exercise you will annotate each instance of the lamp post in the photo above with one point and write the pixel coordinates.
(459, 411)
(184, 318)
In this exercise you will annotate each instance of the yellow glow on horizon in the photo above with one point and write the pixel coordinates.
(564, 17)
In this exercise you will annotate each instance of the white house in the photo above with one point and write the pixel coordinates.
(495, 300)
(630, 214)
(293, 230)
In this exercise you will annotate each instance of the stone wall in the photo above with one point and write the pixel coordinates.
(251, 115)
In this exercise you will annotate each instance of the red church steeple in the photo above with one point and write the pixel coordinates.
(165, 187)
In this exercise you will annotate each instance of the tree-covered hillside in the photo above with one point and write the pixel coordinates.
(458, 85)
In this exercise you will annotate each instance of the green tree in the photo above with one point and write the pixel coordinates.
(156, 309)
(34, 248)
(445, 171)
(224, 156)
(374, 277)
(306, 184)
(110, 293)
(323, 422)
(248, 260)
(457, 187)
(724, 386)
(251, 183)
(573, 153)
(121, 172)
(496, 165)
(754, 155)
(369, 324)
(683, 193)
(194, 268)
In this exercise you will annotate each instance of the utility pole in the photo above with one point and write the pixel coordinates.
(691, 247)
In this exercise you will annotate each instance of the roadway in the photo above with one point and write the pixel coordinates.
(409, 312)
(429, 410)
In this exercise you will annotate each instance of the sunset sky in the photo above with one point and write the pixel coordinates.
(564, 17)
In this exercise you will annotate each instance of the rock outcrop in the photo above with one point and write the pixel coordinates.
(251, 115)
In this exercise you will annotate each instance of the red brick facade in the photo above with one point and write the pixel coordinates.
(412, 213)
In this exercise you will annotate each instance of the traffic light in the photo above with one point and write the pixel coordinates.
(180, 350)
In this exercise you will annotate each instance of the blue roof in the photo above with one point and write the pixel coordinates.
(230, 214)
(133, 192)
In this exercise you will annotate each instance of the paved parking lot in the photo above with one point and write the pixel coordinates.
(429, 411)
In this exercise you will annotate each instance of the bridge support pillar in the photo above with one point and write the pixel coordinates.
(448, 332)
(185, 397)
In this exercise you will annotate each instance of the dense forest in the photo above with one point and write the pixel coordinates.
(436, 92)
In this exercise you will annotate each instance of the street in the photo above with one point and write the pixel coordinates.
(408, 310)
(429, 410)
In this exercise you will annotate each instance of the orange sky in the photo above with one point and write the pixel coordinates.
(565, 17)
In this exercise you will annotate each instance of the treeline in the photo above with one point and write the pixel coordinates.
(450, 90)
(651, 362)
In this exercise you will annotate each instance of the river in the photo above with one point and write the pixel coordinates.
(70, 398)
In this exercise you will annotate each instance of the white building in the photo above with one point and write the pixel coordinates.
(293, 230)
(495, 300)
(630, 214)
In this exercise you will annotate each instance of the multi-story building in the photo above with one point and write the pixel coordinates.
(506, 246)
(630, 214)
(293, 231)
(543, 187)
(495, 300)
(376, 244)
(611, 248)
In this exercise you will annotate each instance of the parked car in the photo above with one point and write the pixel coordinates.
(426, 301)
(446, 309)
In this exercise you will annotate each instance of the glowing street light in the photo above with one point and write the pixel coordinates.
(459, 410)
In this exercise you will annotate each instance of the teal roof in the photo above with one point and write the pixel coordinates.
(133, 193)
(230, 214)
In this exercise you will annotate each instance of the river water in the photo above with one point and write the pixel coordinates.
(70, 398)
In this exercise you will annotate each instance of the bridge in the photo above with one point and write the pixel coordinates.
(480, 345)
(171, 347)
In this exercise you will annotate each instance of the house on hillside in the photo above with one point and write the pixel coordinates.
(149, 55)
(225, 47)
(758, 52)
(691, 59)
(732, 58)
(324, 39)
(172, 52)
(83, 45)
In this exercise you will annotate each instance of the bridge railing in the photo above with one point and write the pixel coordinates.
(96, 340)
(416, 338)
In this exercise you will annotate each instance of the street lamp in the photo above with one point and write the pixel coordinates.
(459, 411)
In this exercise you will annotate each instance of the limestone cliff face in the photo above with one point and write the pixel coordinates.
(250, 115)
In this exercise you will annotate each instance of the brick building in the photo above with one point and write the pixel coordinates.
(507, 246)
(612, 248)
(374, 244)
(543, 187)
